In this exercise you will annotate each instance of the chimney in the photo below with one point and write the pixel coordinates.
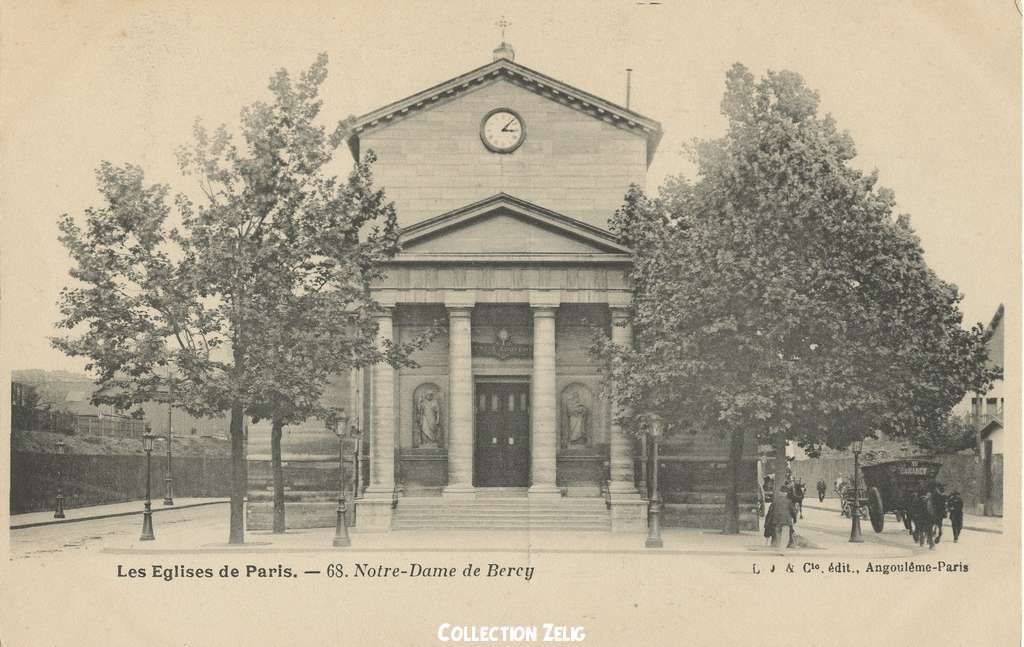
(505, 51)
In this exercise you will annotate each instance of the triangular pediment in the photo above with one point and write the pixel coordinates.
(505, 227)
(508, 70)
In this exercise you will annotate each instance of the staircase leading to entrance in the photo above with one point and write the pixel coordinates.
(502, 511)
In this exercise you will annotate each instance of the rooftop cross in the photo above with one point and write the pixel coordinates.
(502, 24)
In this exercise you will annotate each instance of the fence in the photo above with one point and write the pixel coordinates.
(62, 422)
(961, 472)
(110, 426)
(96, 479)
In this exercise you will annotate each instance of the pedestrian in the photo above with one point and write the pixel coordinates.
(955, 507)
(767, 487)
(938, 501)
(769, 519)
(769, 522)
(821, 490)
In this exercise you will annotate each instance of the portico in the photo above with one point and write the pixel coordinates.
(520, 399)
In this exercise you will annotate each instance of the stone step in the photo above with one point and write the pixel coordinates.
(500, 511)
(505, 528)
(522, 510)
(399, 524)
(446, 514)
(555, 505)
(441, 520)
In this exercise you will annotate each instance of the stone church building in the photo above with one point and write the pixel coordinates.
(504, 180)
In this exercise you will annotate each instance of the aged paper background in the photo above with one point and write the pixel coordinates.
(930, 92)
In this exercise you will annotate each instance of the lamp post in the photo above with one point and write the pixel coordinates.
(147, 513)
(357, 435)
(58, 513)
(168, 479)
(855, 536)
(655, 426)
(339, 422)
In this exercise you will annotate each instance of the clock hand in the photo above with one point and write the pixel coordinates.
(505, 127)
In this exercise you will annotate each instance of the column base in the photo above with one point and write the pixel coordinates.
(622, 488)
(459, 492)
(542, 491)
(373, 514)
(628, 512)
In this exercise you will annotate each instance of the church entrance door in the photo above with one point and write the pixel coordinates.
(502, 455)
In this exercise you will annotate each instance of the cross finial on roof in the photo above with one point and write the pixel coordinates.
(503, 24)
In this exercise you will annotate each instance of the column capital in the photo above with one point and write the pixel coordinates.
(458, 299)
(545, 298)
(619, 312)
(385, 300)
(544, 312)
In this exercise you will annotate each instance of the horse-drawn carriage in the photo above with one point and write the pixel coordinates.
(891, 487)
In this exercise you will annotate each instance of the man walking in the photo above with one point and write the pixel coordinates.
(955, 507)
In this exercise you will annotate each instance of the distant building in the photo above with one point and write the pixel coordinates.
(987, 418)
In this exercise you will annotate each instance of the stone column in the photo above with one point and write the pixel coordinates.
(544, 408)
(628, 509)
(460, 396)
(374, 509)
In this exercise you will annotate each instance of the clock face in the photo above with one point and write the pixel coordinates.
(502, 130)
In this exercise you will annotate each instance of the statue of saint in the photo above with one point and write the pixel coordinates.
(428, 420)
(576, 420)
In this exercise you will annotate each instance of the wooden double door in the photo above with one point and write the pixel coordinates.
(502, 447)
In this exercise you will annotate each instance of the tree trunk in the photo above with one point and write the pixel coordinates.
(238, 474)
(780, 520)
(275, 464)
(732, 502)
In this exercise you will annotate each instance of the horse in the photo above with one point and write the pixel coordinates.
(926, 517)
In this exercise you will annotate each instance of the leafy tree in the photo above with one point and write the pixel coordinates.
(258, 298)
(952, 435)
(777, 293)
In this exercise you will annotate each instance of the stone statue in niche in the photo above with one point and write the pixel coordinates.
(426, 405)
(576, 416)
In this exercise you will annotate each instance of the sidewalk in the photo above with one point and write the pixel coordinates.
(677, 541)
(33, 519)
(973, 522)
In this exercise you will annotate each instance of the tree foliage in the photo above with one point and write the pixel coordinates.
(258, 297)
(778, 293)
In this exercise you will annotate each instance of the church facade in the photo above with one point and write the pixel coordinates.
(503, 180)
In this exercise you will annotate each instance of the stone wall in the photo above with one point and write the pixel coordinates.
(96, 479)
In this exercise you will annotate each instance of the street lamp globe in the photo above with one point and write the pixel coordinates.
(654, 425)
(147, 441)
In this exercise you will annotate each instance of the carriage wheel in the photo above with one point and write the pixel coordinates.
(875, 509)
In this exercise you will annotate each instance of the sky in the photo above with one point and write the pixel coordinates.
(929, 91)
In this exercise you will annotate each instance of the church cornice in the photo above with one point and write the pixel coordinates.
(529, 79)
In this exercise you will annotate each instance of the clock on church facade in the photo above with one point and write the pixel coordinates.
(504, 180)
